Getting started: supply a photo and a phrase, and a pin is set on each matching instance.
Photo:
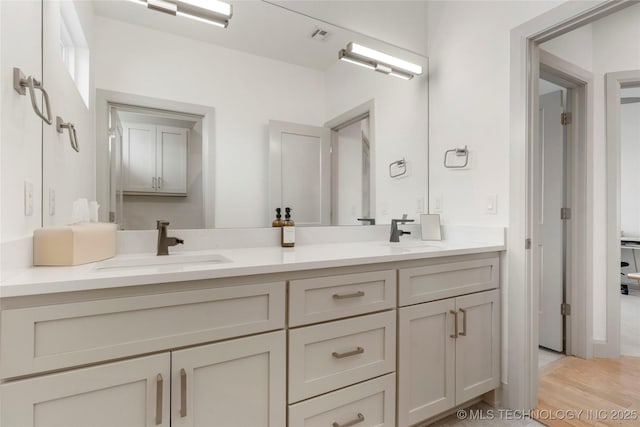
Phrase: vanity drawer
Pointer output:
(429, 283)
(51, 337)
(337, 354)
(333, 297)
(371, 403)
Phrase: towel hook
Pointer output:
(73, 137)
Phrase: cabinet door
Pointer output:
(133, 393)
(426, 354)
(238, 383)
(171, 160)
(139, 158)
(478, 345)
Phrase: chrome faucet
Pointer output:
(395, 231)
(163, 241)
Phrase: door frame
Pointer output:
(614, 82)
(579, 185)
(520, 373)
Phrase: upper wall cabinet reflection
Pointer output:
(283, 121)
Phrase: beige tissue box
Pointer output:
(74, 244)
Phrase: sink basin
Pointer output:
(152, 260)
(413, 244)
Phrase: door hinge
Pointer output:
(565, 214)
(565, 119)
(565, 309)
(527, 243)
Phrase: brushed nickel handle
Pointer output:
(73, 136)
(359, 419)
(159, 383)
(351, 295)
(358, 350)
(455, 324)
(159, 182)
(183, 393)
(22, 83)
(153, 182)
(464, 322)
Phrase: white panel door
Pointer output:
(171, 160)
(477, 345)
(301, 171)
(238, 383)
(21, 135)
(551, 227)
(426, 361)
(139, 158)
(133, 393)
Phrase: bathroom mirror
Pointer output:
(219, 112)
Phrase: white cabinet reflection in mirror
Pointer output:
(154, 160)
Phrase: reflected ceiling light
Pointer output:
(379, 61)
(212, 12)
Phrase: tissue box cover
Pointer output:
(74, 244)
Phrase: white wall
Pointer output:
(468, 47)
(630, 167)
(608, 45)
(245, 90)
(399, 128)
(349, 149)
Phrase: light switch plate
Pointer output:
(492, 204)
(52, 202)
(437, 204)
(28, 198)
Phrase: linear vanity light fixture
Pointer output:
(379, 61)
(212, 12)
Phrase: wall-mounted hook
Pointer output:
(73, 138)
(22, 83)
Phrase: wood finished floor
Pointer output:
(601, 388)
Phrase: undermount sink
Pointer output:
(413, 244)
(152, 260)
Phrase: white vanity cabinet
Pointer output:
(154, 159)
(234, 383)
(448, 349)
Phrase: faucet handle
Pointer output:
(161, 223)
(403, 220)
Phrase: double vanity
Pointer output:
(334, 334)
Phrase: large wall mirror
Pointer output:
(215, 128)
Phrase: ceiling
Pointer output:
(256, 27)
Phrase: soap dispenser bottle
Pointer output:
(288, 231)
(278, 221)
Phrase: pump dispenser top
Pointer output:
(278, 221)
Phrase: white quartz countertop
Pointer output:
(242, 262)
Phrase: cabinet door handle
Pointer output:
(359, 419)
(159, 384)
(183, 393)
(464, 322)
(351, 295)
(159, 182)
(153, 182)
(358, 350)
(455, 324)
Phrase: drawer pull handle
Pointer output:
(350, 423)
(358, 350)
(351, 295)
(159, 383)
(464, 322)
(183, 393)
(455, 324)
